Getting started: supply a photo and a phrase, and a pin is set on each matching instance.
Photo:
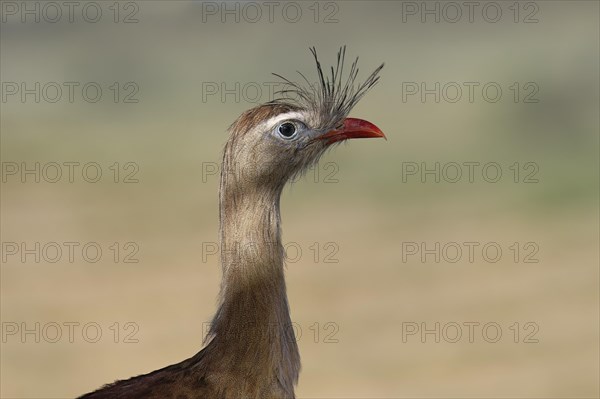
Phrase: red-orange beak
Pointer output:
(352, 129)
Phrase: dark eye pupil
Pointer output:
(287, 129)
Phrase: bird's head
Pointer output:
(273, 142)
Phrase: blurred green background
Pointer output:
(356, 206)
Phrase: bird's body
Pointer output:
(251, 350)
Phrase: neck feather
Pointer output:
(252, 330)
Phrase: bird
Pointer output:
(250, 350)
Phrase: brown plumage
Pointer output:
(251, 349)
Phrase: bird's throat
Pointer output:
(253, 320)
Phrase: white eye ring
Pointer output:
(287, 130)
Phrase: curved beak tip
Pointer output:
(353, 128)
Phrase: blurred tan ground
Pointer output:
(368, 213)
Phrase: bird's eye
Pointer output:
(287, 130)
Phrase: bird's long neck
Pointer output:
(252, 329)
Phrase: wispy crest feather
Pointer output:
(335, 95)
